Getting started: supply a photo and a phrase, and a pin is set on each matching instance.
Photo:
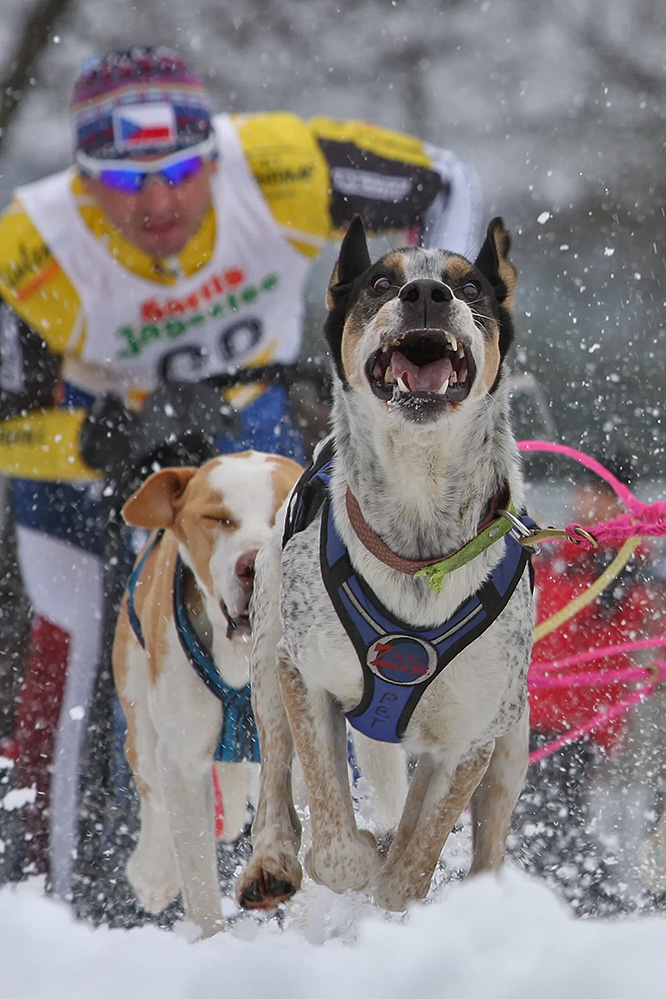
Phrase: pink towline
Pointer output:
(602, 717)
(642, 519)
(653, 675)
(601, 653)
(592, 679)
(646, 519)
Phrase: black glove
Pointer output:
(178, 426)
(183, 419)
(106, 436)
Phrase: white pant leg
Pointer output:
(65, 585)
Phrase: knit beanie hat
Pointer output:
(138, 101)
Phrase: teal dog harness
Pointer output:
(238, 739)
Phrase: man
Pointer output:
(176, 248)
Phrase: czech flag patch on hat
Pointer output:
(144, 127)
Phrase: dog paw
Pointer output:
(393, 893)
(262, 888)
(152, 888)
(344, 867)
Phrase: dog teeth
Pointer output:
(401, 384)
(443, 387)
(389, 377)
(454, 343)
(460, 352)
(453, 378)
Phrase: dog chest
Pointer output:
(379, 668)
(316, 641)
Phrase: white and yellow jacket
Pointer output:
(85, 312)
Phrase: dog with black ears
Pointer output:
(405, 601)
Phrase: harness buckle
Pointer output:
(521, 532)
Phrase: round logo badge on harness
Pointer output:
(402, 659)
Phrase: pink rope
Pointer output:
(646, 519)
(602, 717)
(643, 519)
(601, 653)
(622, 491)
(589, 679)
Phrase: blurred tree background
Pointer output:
(560, 108)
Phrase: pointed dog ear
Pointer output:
(353, 260)
(155, 502)
(494, 264)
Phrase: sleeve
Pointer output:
(29, 371)
(38, 438)
(397, 182)
(452, 222)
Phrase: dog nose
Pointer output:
(425, 290)
(245, 570)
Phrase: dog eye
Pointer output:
(470, 291)
(224, 521)
(381, 284)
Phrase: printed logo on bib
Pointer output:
(402, 659)
(191, 361)
(30, 269)
(164, 319)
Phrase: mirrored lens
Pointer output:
(177, 173)
(130, 181)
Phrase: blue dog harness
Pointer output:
(238, 740)
(398, 662)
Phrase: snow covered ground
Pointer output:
(492, 938)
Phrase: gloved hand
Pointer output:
(177, 426)
(107, 433)
(182, 419)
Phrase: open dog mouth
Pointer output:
(432, 365)
(237, 627)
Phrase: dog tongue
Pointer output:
(428, 378)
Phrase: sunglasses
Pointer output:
(129, 176)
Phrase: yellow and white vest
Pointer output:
(243, 307)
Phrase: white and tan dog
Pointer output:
(211, 523)
(422, 459)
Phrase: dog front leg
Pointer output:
(191, 805)
(495, 798)
(342, 857)
(273, 873)
(433, 805)
(151, 869)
